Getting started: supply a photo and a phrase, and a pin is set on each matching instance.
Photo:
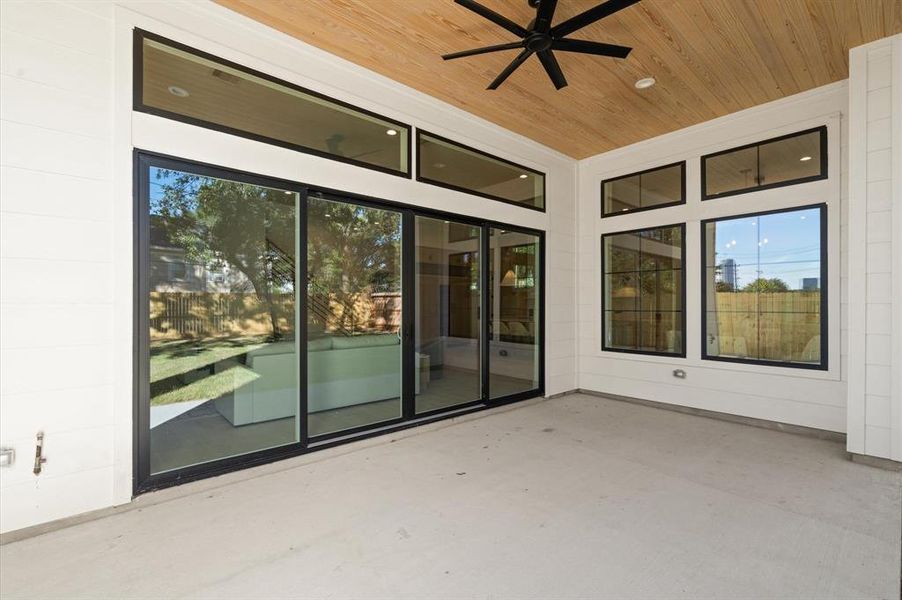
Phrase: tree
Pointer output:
(351, 251)
(723, 286)
(763, 284)
(219, 222)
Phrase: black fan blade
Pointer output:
(590, 16)
(599, 48)
(510, 69)
(494, 17)
(544, 15)
(483, 50)
(552, 68)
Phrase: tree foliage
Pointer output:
(763, 284)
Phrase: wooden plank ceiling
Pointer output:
(710, 58)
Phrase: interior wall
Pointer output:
(67, 132)
(796, 396)
(875, 249)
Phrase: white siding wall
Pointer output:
(796, 396)
(66, 241)
(56, 235)
(875, 391)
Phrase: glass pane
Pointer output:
(514, 300)
(661, 290)
(223, 351)
(779, 161)
(661, 248)
(732, 334)
(764, 289)
(644, 305)
(447, 314)
(621, 195)
(662, 186)
(621, 329)
(622, 291)
(660, 332)
(797, 157)
(737, 170)
(445, 162)
(646, 190)
(621, 253)
(180, 82)
(353, 315)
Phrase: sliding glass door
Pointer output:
(221, 354)
(273, 319)
(447, 361)
(515, 303)
(354, 316)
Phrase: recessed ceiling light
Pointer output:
(523, 175)
(391, 132)
(439, 165)
(178, 91)
(804, 158)
(645, 82)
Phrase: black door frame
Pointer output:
(144, 481)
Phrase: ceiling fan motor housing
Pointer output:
(540, 38)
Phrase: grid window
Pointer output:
(643, 291)
(764, 294)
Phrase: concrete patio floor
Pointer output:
(574, 497)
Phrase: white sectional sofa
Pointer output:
(342, 371)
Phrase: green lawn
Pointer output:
(209, 387)
(171, 359)
(179, 357)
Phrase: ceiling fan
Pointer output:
(540, 38)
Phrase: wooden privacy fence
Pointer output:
(184, 315)
(190, 315)
(769, 325)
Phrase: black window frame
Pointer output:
(822, 129)
(142, 479)
(456, 188)
(139, 35)
(681, 201)
(824, 365)
(683, 268)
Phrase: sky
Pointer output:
(783, 245)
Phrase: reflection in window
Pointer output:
(223, 357)
(183, 84)
(447, 314)
(643, 291)
(449, 164)
(763, 288)
(514, 302)
(650, 189)
(354, 300)
(795, 158)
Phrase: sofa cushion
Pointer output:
(317, 345)
(365, 341)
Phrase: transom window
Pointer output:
(788, 159)
(654, 188)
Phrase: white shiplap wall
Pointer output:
(66, 137)
(56, 268)
(795, 396)
(875, 251)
